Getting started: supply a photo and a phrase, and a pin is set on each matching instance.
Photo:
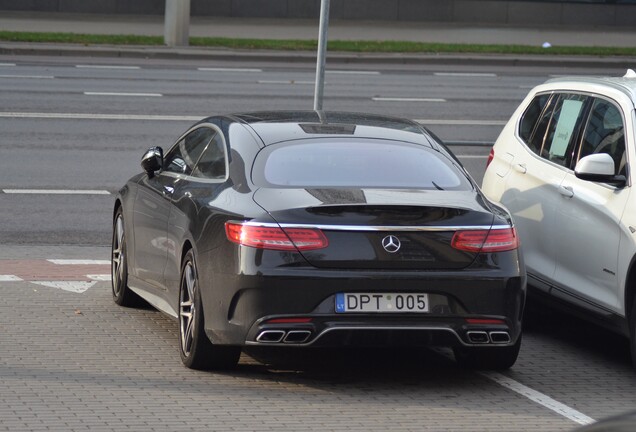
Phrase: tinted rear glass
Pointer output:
(356, 163)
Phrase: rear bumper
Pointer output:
(239, 306)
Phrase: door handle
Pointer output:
(521, 168)
(566, 191)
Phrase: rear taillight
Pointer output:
(266, 237)
(495, 240)
(491, 156)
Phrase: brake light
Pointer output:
(486, 321)
(288, 321)
(276, 238)
(495, 240)
(491, 156)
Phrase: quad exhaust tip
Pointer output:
(271, 336)
(282, 336)
(494, 337)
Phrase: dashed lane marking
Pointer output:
(229, 70)
(56, 191)
(83, 116)
(406, 99)
(466, 74)
(123, 94)
(351, 72)
(107, 67)
(78, 262)
(7, 64)
(28, 76)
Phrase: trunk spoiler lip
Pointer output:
(376, 228)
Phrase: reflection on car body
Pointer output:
(318, 229)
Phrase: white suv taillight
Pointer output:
(491, 156)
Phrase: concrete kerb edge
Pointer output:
(310, 57)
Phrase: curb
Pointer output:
(195, 53)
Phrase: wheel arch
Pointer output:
(187, 245)
(630, 289)
(116, 206)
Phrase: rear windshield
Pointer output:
(356, 163)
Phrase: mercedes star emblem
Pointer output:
(391, 244)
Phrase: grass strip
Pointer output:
(310, 45)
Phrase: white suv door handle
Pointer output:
(521, 168)
(566, 191)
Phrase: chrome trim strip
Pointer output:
(376, 228)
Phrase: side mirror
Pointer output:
(599, 168)
(152, 160)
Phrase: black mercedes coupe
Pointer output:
(318, 229)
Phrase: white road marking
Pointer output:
(352, 72)
(7, 64)
(465, 74)
(462, 122)
(100, 277)
(56, 191)
(540, 398)
(28, 76)
(123, 94)
(398, 99)
(107, 67)
(78, 262)
(81, 116)
(285, 82)
(9, 278)
(229, 70)
(72, 286)
(138, 117)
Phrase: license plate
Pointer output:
(381, 302)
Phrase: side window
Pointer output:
(535, 120)
(604, 133)
(184, 155)
(560, 137)
(212, 162)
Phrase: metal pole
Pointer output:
(322, 53)
(177, 23)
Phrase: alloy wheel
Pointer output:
(187, 309)
(118, 266)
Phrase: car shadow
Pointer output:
(404, 366)
(586, 337)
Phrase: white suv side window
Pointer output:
(604, 133)
(561, 135)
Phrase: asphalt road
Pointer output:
(58, 131)
(74, 360)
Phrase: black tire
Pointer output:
(122, 295)
(197, 352)
(488, 358)
(632, 332)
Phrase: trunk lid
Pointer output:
(380, 229)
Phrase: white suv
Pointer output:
(563, 166)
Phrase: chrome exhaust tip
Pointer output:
(478, 337)
(297, 336)
(270, 336)
(499, 337)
